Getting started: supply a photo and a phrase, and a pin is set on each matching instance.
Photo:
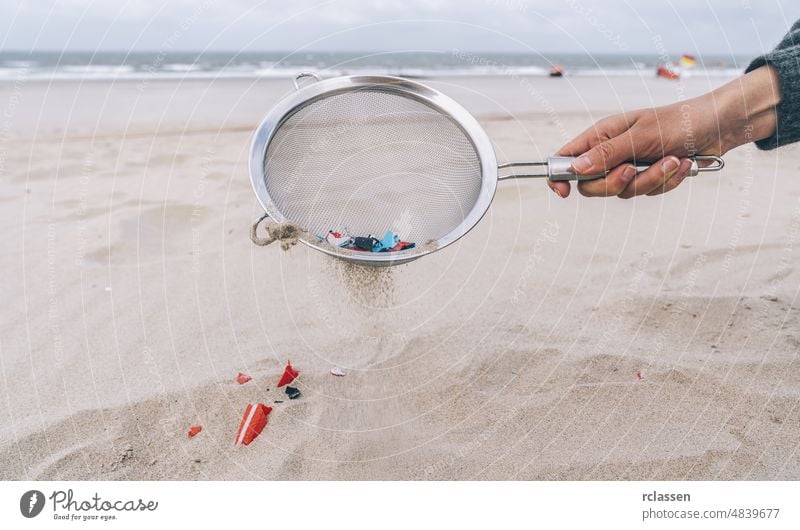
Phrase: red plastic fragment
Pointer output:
(194, 430)
(288, 376)
(253, 422)
(402, 245)
(639, 375)
(242, 378)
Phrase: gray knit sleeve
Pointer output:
(785, 58)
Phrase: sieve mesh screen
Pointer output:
(367, 160)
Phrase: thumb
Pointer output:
(605, 156)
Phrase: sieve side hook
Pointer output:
(301, 75)
(260, 241)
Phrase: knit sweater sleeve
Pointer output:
(785, 59)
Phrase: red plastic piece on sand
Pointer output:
(253, 422)
(194, 430)
(288, 376)
(639, 375)
(242, 378)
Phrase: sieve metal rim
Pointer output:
(399, 86)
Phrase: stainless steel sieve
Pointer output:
(370, 153)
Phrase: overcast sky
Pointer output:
(593, 26)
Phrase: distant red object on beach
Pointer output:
(666, 73)
(194, 430)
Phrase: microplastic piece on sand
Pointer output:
(289, 375)
(242, 378)
(338, 372)
(639, 375)
(253, 422)
(292, 392)
(194, 430)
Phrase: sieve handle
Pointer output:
(559, 168)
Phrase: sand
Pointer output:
(133, 296)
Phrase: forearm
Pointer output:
(736, 113)
(746, 107)
(784, 61)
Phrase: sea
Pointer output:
(212, 65)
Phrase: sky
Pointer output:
(739, 27)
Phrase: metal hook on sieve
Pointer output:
(260, 241)
(301, 75)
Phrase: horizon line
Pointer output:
(378, 52)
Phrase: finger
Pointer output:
(612, 184)
(601, 131)
(605, 156)
(559, 188)
(582, 143)
(651, 178)
(683, 171)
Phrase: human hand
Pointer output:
(712, 124)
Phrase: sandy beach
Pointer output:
(133, 296)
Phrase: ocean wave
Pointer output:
(20, 64)
(182, 67)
